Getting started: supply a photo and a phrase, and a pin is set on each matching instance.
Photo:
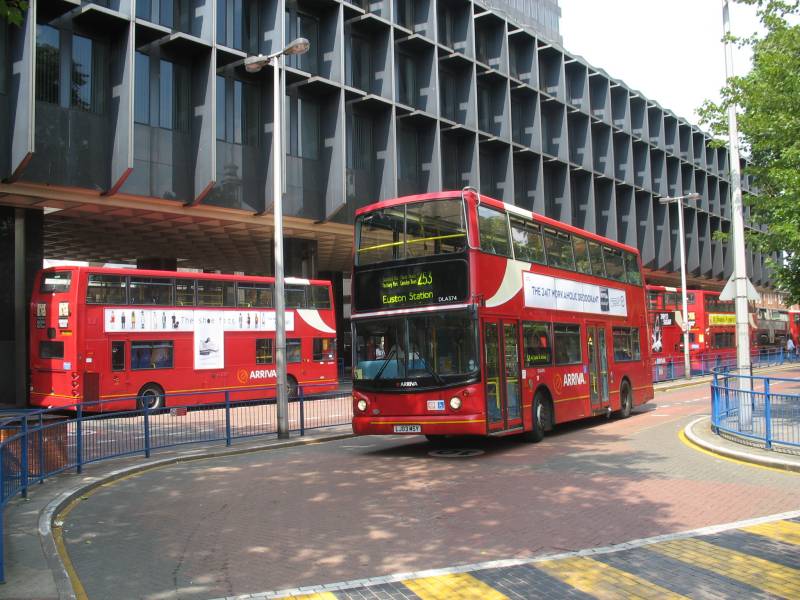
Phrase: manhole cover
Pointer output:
(455, 453)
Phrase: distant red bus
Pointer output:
(107, 334)
(471, 316)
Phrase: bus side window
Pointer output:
(293, 353)
(536, 343)
(567, 344)
(117, 356)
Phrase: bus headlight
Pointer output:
(361, 405)
(455, 402)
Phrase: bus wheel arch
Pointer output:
(625, 398)
(152, 394)
(291, 386)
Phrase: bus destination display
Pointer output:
(415, 285)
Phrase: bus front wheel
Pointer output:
(536, 434)
(152, 396)
(625, 401)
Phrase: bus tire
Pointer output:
(151, 394)
(538, 418)
(625, 401)
(436, 440)
(291, 386)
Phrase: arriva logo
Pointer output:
(567, 380)
(243, 375)
(408, 384)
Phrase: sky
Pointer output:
(669, 50)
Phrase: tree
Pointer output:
(768, 118)
(12, 10)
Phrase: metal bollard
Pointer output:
(227, 417)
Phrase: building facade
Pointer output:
(131, 132)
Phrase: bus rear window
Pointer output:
(51, 349)
(57, 282)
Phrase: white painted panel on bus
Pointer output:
(149, 320)
(553, 293)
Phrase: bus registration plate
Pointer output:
(408, 428)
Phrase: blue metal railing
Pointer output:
(672, 367)
(763, 409)
(38, 444)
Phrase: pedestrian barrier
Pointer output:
(757, 409)
(673, 367)
(38, 444)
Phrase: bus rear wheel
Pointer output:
(152, 396)
(540, 417)
(625, 401)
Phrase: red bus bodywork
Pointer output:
(496, 302)
(82, 351)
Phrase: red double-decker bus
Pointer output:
(471, 316)
(665, 315)
(107, 334)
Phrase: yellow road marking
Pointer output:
(687, 442)
(759, 573)
(783, 531)
(455, 585)
(603, 581)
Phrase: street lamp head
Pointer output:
(693, 196)
(253, 64)
(298, 46)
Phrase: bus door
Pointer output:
(598, 365)
(503, 390)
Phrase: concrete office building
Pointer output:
(134, 135)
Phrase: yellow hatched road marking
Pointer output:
(783, 531)
(776, 579)
(318, 596)
(455, 585)
(603, 581)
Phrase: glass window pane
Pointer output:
(48, 62)
(615, 267)
(216, 293)
(251, 115)
(293, 350)
(264, 354)
(81, 93)
(536, 344)
(150, 291)
(320, 297)
(184, 292)
(527, 240)
(309, 129)
(596, 257)
(254, 295)
(117, 356)
(151, 355)
(435, 228)
(567, 343)
(221, 110)
(581, 249)
(237, 112)
(51, 349)
(222, 21)
(295, 296)
(558, 247)
(106, 289)
(56, 282)
(165, 95)
(626, 344)
(324, 349)
(309, 29)
(141, 85)
(380, 236)
(493, 231)
(632, 269)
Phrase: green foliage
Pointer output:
(768, 118)
(12, 10)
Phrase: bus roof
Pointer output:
(185, 275)
(509, 208)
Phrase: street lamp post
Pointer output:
(254, 64)
(687, 367)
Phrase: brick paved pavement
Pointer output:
(371, 507)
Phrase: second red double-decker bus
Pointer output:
(172, 337)
(471, 316)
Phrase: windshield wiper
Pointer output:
(385, 364)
